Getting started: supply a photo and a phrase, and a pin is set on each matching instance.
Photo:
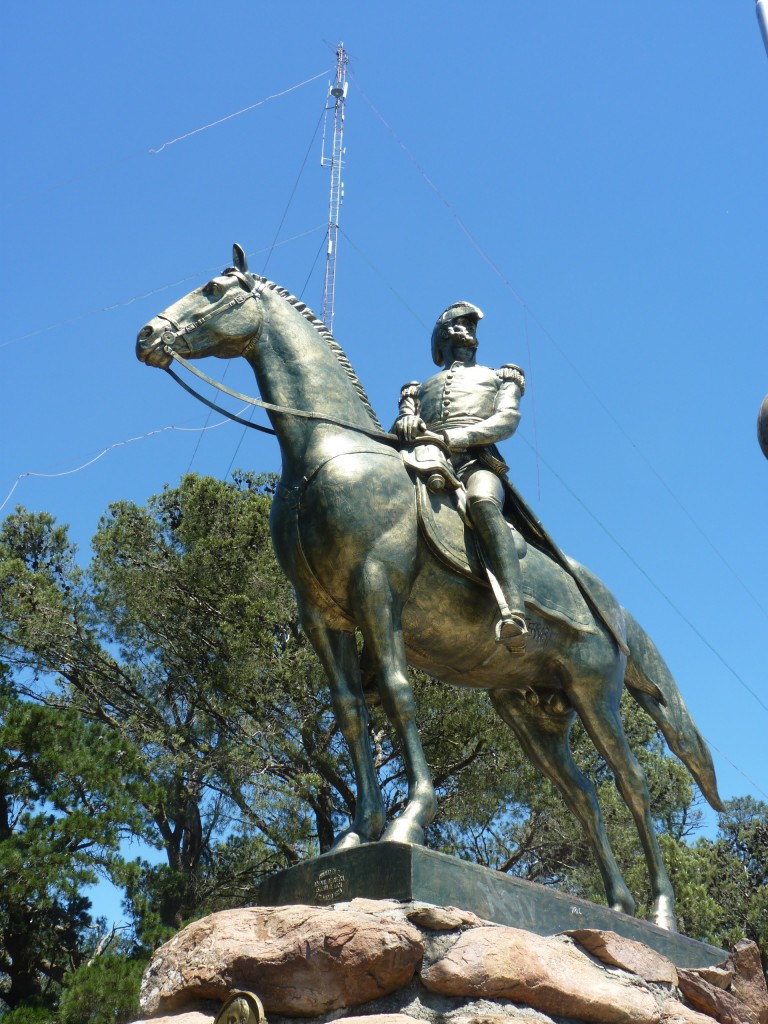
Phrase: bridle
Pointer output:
(175, 333)
(251, 292)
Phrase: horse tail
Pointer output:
(648, 677)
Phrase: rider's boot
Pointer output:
(498, 548)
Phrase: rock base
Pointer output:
(387, 962)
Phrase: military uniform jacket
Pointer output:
(483, 401)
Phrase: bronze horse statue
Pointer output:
(347, 534)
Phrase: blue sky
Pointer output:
(592, 176)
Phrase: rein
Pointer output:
(282, 410)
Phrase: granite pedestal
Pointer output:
(400, 871)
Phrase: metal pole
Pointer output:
(762, 417)
(338, 93)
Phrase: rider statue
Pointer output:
(472, 407)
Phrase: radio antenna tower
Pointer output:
(338, 94)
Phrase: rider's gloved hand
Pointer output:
(409, 427)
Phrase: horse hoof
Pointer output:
(347, 841)
(623, 902)
(624, 908)
(663, 914)
(404, 832)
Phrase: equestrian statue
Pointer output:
(401, 536)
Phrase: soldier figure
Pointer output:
(472, 407)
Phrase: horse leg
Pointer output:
(543, 732)
(378, 616)
(337, 651)
(599, 713)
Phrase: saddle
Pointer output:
(552, 584)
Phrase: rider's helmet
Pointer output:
(453, 312)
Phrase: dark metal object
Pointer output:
(217, 408)
(762, 427)
(346, 533)
(761, 10)
(241, 1008)
(403, 872)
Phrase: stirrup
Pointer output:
(512, 631)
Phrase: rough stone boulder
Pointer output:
(549, 974)
(385, 962)
(713, 1001)
(193, 1017)
(300, 961)
(616, 951)
(674, 1012)
(748, 983)
(733, 993)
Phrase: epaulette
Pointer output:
(410, 390)
(511, 372)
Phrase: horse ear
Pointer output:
(239, 259)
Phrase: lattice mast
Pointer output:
(337, 96)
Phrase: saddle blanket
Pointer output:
(547, 587)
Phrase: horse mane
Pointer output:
(327, 337)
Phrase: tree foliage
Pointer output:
(182, 638)
(65, 802)
(104, 991)
(722, 883)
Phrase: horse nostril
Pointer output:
(146, 332)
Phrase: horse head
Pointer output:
(214, 320)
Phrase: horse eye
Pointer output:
(212, 289)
